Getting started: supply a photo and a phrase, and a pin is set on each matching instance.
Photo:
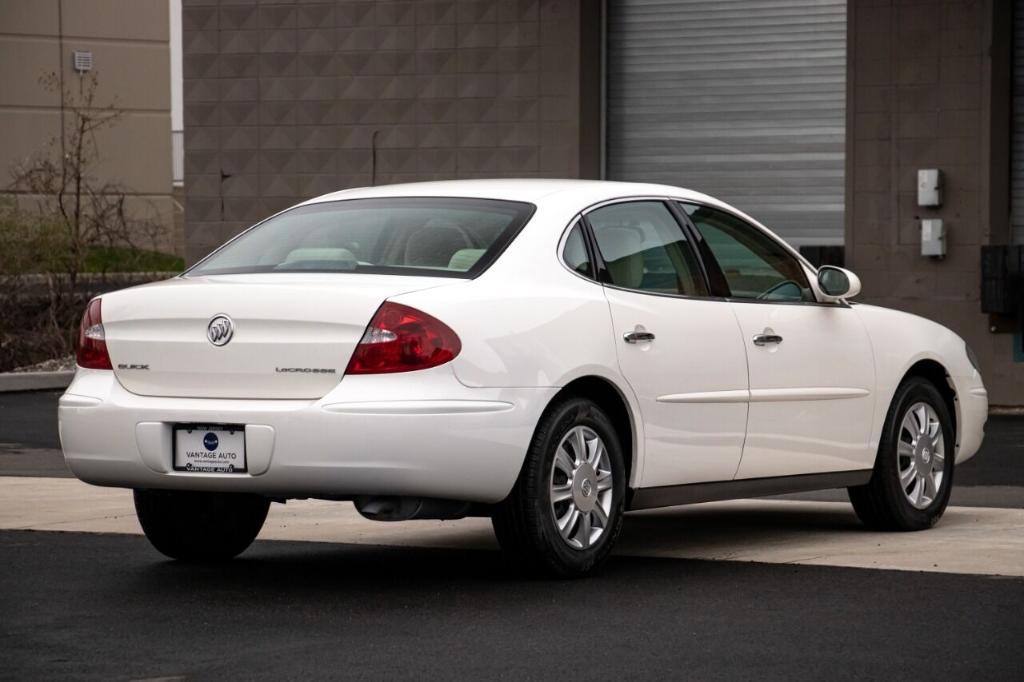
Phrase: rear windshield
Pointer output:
(416, 236)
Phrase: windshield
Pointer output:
(409, 236)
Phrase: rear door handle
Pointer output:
(637, 337)
(767, 337)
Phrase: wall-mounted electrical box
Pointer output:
(82, 60)
(929, 187)
(933, 238)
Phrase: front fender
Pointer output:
(899, 341)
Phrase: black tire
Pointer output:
(199, 526)
(525, 521)
(881, 504)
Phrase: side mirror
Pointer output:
(837, 283)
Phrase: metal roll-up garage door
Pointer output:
(741, 99)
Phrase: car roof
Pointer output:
(529, 189)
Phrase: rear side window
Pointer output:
(755, 265)
(575, 252)
(410, 236)
(645, 249)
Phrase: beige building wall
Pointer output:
(129, 43)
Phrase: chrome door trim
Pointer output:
(767, 395)
(779, 395)
(741, 395)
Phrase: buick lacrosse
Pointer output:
(547, 353)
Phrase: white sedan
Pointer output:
(550, 353)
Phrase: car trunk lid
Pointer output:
(290, 336)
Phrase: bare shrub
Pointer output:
(58, 216)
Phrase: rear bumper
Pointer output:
(419, 434)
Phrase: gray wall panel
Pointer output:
(286, 101)
(742, 99)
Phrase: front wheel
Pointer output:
(200, 526)
(913, 476)
(565, 511)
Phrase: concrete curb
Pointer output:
(34, 381)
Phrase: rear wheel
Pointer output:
(913, 476)
(200, 526)
(565, 511)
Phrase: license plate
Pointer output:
(208, 448)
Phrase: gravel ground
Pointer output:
(54, 365)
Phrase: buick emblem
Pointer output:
(220, 330)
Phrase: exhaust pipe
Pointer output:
(388, 508)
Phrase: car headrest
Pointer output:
(621, 248)
(433, 245)
(464, 259)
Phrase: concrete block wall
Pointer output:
(926, 90)
(289, 100)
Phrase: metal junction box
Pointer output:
(929, 187)
(933, 238)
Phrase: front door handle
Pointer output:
(638, 337)
(766, 337)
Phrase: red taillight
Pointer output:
(92, 344)
(402, 339)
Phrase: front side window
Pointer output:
(410, 236)
(755, 265)
(644, 248)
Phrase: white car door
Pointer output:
(680, 351)
(811, 366)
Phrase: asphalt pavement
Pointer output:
(29, 419)
(100, 605)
